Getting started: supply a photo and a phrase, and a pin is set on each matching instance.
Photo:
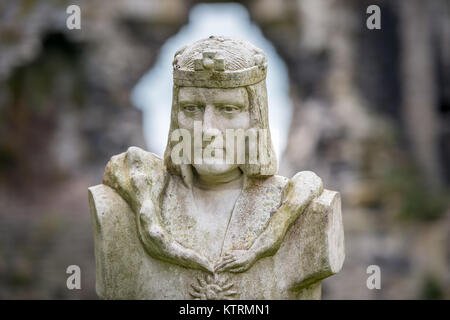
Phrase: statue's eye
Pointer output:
(191, 108)
(230, 109)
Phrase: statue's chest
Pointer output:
(199, 219)
(214, 223)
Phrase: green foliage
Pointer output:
(398, 185)
(415, 200)
(431, 289)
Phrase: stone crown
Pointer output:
(219, 62)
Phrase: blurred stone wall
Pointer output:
(371, 118)
(64, 111)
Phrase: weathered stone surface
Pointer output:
(212, 220)
(313, 249)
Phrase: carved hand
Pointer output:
(192, 259)
(236, 261)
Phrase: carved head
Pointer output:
(220, 83)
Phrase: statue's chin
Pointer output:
(214, 168)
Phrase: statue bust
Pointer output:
(212, 220)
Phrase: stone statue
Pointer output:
(212, 220)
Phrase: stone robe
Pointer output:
(313, 247)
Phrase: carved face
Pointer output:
(218, 110)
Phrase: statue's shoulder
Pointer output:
(276, 181)
(135, 159)
(136, 155)
(305, 179)
(273, 184)
(305, 184)
(302, 184)
(135, 168)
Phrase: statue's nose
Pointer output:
(209, 120)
